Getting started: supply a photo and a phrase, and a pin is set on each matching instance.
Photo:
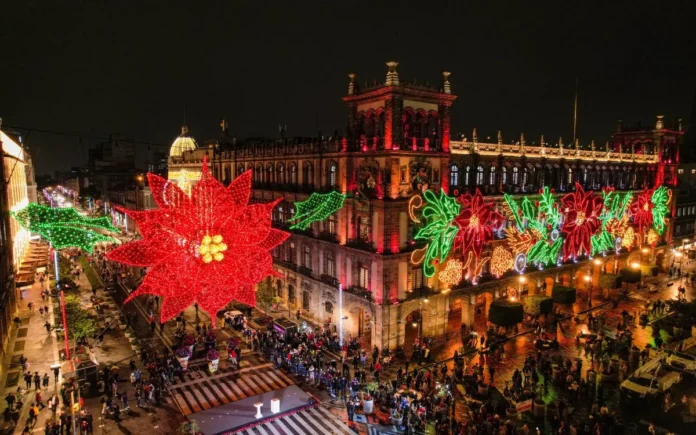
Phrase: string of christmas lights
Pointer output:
(211, 247)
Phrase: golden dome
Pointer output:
(182, 143)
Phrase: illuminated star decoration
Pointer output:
(439, 230)
(210, 247)
(660, 198)
(581, 221)
(452, 275)
(318, 207)
(64, 227)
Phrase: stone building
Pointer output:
(397, 146)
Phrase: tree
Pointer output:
(265, 294)
(80, 323)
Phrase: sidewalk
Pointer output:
(41, 350)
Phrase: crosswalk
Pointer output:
(201, 390)
(313, 421)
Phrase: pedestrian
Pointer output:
(45, 380)
(48, 327)
(30, 305)
(298, 314)
(27, 379)
(37, 380)
(23, 362)
(132, 379)
(39, 400)
(41, 311)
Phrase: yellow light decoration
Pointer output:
(418, 255)
(212, 248)
(501, 261)
(652, 237)
(628, 238)
(414, 203)
(519, 242)
(452, 275)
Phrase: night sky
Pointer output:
(97, 67)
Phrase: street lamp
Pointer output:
(589, 287)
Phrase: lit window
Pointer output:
(515, 175)
(693, 171)
(680, 171)
(330, 266)
(491, 180)
(570, 176)
(307, 257)
(333, 223)
(479, 175)
(332, 175)
(504, 179)
(364, 276)
(454, 175)
(417, 278)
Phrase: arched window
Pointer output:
(479, 175)
(307, 174)
(515, 175)
(328, 307)
(280, 170)
(240, 170)
(454, 175)
(269, 174)
(570, 176)
(525, 176)
(491, 180)
(293, 174)
(466, 175)
(258, 176)
(504, 176)
(333, 175)
(228, 174)
(279, 288)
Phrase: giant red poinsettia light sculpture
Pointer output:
(581, 222)
(476, 222)
(210, 247)
(642, 209)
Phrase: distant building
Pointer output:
(14, 160)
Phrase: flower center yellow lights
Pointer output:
(645, 206)
(580, 219)
(212, 248)
(473, 221)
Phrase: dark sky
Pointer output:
(99, 67)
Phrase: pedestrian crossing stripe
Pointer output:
(313, 421)
(200, 393)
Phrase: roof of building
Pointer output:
(182, 143)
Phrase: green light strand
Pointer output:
(660, 198)
(64, 227)
(318, 207)
(614, 208)
(439, 229)
(515, 211)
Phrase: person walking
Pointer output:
(37, 381)
(45, 380)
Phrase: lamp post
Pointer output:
(419, 325)
(589, 288)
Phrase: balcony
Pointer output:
(328, 237)
(360, 292)
(361, 244)
(286, 264)
(305, 271)
(330, 280)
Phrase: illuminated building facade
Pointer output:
(14, 161)
(398, 280)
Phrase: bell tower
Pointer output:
(397, 114)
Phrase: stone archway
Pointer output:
(412, 325)
(454, 318)
(564, 279)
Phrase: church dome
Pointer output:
(182, 143)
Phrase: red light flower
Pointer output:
(210, 247)
(581, 220)
(476, 222)
(641, 209)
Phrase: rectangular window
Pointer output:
(291, 253)
(679, 212)
(307, 257)
(333, 223)
(330, 266)
(364, 277)
(680, 171)
(417, 278)
(693, 171)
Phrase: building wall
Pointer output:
(17, 196)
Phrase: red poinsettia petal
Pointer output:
(275, 238)
(257, 262)
(165, 193)
(146, 252)
(246, 295)
(240, 189)
(251, 225)
(143, 289)
(173, 305)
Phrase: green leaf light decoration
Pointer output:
(614, 209)
(439, 230)
(318, 207)
(660, 199)
(64, 227)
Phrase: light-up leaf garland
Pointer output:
(65, 227)
(533, 233)
(318, 207)
(211, 247)
(614, 220)
(581, 221)
(660, 199)
(439, 230)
